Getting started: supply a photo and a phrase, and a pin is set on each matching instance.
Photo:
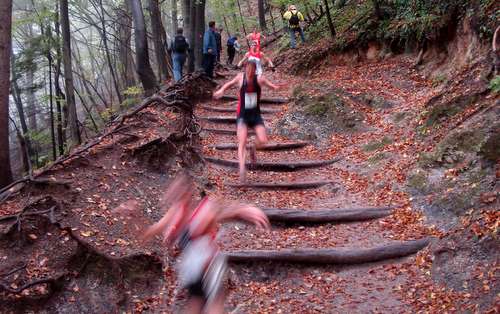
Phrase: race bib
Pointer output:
(250, 100)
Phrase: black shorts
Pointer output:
(251, 120)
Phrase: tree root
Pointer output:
(274, 166)
(330, 256)
(326, 215)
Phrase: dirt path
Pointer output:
(380, 287)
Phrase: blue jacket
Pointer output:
(209, 42)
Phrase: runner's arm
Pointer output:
(268, 60)
(218, 94)
(246, 212)
(245, 58)
(263, 81)
(166, 225)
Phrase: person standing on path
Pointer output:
(233, 46)
(218, 40)
(179, 48)
(202, 267)
(256, 55)
(294, 18)
(209, 50)
(248, 111)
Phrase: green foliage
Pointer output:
(373, 146)
(495, 85)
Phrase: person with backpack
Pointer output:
(209, 50)
(232, 47)
(294, 18)
(179, 48)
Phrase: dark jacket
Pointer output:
(209, 42)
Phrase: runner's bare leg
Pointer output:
(242, 133)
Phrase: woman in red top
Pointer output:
(201, 269)
(255, 36)
(256, 55)
(248, 111)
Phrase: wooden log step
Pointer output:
(330, 256)
(285, 215)
(275, 100)
(221, 119)
(281, 185)
(269, 146)
(225, 131)
(233, 110)
(274, 166)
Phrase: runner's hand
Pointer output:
(254, 215)
(218, 94)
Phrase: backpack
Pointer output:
(180, 44)
(230, 41)
(294, 20)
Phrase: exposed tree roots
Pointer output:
(331, 256)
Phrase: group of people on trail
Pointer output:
(179, 46)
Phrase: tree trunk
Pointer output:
(124, 51)
(68, 75)
(192, 36)
(331, 256)
(5, 51)
(376, 9)
(200, 29)
(272, 18)
(50, 60)
(16, 95)
(326, 215)
(104, 36)
(143, 66)
(175, 21)
(262, 15)
(61, 134)
(329, 18)
(242, 20)
(157, 31)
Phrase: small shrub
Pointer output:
(373, 146)
(495, 85)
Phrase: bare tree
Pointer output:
(143, 66)
(262, 15)
(68, 75)
(124, 51)
(175, 21)
(157, 32)
(5, 50)
(329, 18)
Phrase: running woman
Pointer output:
(248, 111)
(255, 36)
(202, 267)
(256, 56)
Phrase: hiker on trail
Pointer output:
(209, 50)
(256, 56)
(202, 267)
(255, 36)
(218, 40)
(248, 111)
(233, 46)
(179, 48)
(294, 18)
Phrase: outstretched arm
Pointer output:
(263, 81)
(245, 58)
(218, 94)
(240, 211)
(268, 60)
(167, 225)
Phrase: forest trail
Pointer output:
(353, 183)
